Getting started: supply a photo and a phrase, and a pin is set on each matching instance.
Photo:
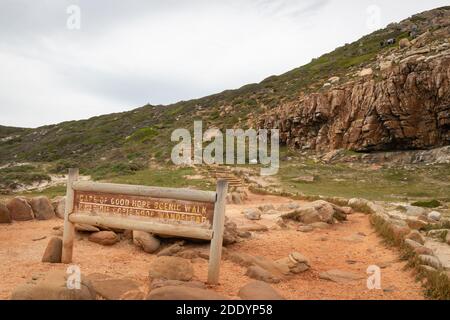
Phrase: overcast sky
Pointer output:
(129, 53)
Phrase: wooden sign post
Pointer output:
(166, 211)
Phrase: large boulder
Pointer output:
(53, 286)
(19, 209)
(258, 290)
(42, 208)
(59, 206)
(5, 216)
(183, 293)
(106, 238)
(114, 289)
(146, 241)
(53, 251)
(171, 268)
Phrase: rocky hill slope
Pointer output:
(401, 102)
(368, 95)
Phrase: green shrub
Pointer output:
(427, 204)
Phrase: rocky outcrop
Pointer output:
(404, 106)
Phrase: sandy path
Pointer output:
(327, 249)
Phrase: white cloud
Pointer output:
(128, 54)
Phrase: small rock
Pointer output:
(53, 251)
(236, 198)
(357, 203)
(416, 224)
(171, 250)
(308, 179)
(258, 290)
(19, 209)
(414, 211)
(434, 216)
(356, 238)
(42, 208)
(106, 238)
(430, 261)
(86, 228)
(426, 268)
(438, 233)
(5, 216)
(416, 236)
(146, 241)
(340, 276)
(399, 232)
(366, 72)
(39, 238)
(305, 229)
(334, 80)
(252, 214)
(133, 295)
(385, 65)
(245, 234)
(258, 273)
(253, 227)
(267, 207)
(319, 225)
(171, 268)
(418, 248)
(347, 210)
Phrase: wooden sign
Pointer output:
(165, 211)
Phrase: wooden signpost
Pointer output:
(165, 211)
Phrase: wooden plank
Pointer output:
(147, 226)
(215, 255)
(69, 227)
(168, 193)
(161, 210)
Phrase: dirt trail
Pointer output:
(327, 249)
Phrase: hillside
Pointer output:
(126, 141)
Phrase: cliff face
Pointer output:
(401, 102)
